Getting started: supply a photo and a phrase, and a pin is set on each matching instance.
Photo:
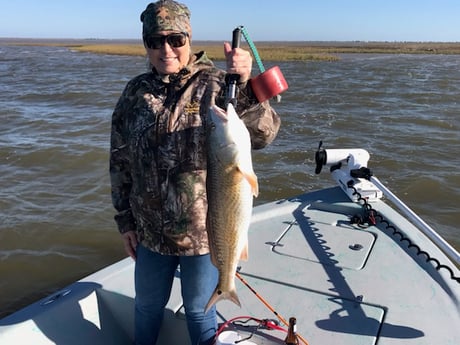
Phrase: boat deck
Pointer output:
(345, 285)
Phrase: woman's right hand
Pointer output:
(130, 243)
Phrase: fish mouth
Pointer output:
(222, 114)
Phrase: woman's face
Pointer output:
(168, 51)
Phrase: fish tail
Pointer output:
(219, 295)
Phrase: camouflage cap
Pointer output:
(165, 15)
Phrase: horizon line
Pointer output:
(219, 40)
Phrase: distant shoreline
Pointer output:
(269, 51)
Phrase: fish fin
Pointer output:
(245, 252)
(220, 295)
(251, 177)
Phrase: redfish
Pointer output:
(231, 185)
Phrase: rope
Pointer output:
(253, 48)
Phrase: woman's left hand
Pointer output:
(239, 61)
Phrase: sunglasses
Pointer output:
(175, 40)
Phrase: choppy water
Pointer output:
(55, 106)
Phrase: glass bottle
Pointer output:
(291, 338)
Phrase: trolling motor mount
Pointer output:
(349, 168)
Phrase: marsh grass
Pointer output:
(112, 49)
(270, 51)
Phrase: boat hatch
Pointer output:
(326, 244)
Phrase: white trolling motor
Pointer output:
(349, 168)
(346, 168)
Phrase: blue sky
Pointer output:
(291, 20)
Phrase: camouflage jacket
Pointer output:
(158, 153)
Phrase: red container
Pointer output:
(269, 84)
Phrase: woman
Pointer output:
(158, 167)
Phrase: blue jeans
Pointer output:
(154, 274)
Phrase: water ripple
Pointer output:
(56, 105)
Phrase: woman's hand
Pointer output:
(130, 243)
(239, 61)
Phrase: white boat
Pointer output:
(345, 263)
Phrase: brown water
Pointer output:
(55, 106)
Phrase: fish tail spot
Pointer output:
(219, 295)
